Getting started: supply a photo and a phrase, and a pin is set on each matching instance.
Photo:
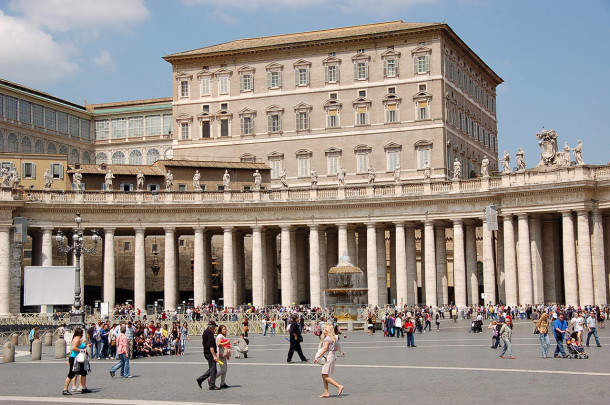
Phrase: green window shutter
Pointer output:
(385, 68)
(268, 79)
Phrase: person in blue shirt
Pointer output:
(560, 327)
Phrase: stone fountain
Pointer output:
(347, 289)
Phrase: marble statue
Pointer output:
(15, 178)
(577, 151)
(397, 174)
(547, 139)
(427, 172)
(505, 162)
(108, 180)
(226, 180)
(283, 177)
(565, 161)
(257, 180)
(314, 177)
(169, 180)
(196, 178)
(520, 159)
(372, 174)
(341, 176)
(6, 177)
(140, 181)
(485, 167)
(48, 178)
(457, 169)
(77, 180)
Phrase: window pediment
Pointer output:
(333, 104)
(423, 143)
(362, 101)
(247, 111)
(360, 57)
(273, 67)
(333, 151)
(247, 158)
(301, 63)
(246, 69)
(421, 50)
(303, 106)
(390, 54)
(223, 72)
(331, 60)
(421, 95)
(391, 97)
(301, 153)
(204, 73)
(362, 148)
(275, 156)
(205, 116)
(275, 109)
(392, 147)
(183, 76)
(184, 118)
(223, 114)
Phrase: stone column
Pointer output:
(343, 248)
(500, 275)
(239, 284)
(109, 269)
(585, 263)
(271, 269)
(5, 270)
(257, 266)
(392, 242)
(323, 264)
(569, 259)
(288, 277)
(293, 266)
(382, 271)
(537, 268)
(401, 265)
(548, 261)
(361, 262)
(198, 260)
(472, 278)
(371, 264)
(302, 266)
(510, 261)
(526, 295)
(264, 268)
(207, 266)
(411, 263)
(170, 270)
(430, 264)
(228, 268)
(139, 271)
(459, 264)
(351, 244)
(442, 283)
(597, 251)
(489, 274)
(315, 295)
(47, 258)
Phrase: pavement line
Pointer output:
(81, 399)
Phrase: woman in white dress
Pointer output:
(223, 346)
(329, 346)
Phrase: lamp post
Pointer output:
(77, 315)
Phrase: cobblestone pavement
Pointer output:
(450, 366)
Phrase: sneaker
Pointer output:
(513, 357)
(214, 388)
(128, 376)
(565, 356)
(223, 386)
(111, 373)
(555, 356)
(501, 357)
(85, 390)
(305, 361)
(74, 389)
(66, 392)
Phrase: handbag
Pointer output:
(80, 358)
(300, 338)
(321, 358)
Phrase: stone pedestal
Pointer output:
(8, 353)
(60, 348)
(36, 350)
(15, 339)
(47, 339)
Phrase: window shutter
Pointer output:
(33, 170)
(241, 122)
(366, 70)
(296, 77)
(22, 169)
(279, 122)
(355, 71)
(385, 68)
(307, 76)
(268, 79)
(279, 75)
(297, 120)
(269, 123)
(337, 73)
(427, 58)
(396, 66)
(326, 74)
(61, 171)
(241, 83)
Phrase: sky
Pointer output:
(553, 55)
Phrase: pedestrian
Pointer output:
(438, 322)
(543, 330)
(560, 326)
(246, 326)
(209, 352)
(338, 333)
(592, 327)
(398, 327)
(273, 325)
(329, 347)
(241, 346)
(506, 334)
(295, 340)
(122, 348)
(409, 328)
(33, 336)
(224, 354)
(578, 323)
(184, 337)
(77, 346)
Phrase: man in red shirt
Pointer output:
(409, 328)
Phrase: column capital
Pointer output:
(139, 230)
(583, 212)
(429, 222)
(109, 230)
(342, 226)
(199, 228)
(458, 221)
(566, 213)
(523, 215)
(399, 223)
(257, 228)
(372, 225)
(314, 227)
(169, 229)
(226, 229)
(507, 218)
(285, 227)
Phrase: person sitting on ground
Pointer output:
(241, 346)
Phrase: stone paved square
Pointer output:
(450, 366)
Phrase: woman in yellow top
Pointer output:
(543, 328)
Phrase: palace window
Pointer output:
(119, 128)
(392, 152)
(184, 130)
(118, 158)
(362, 115)
(28, 170)
(136, 126)
(184, 88)
(274, 75)
(361, 71)
(332, 118)
(205, 86)
(274, 119)
(246, 79)
(333, 156)
(363, 153)
(224, 127)
(223, 85)
(153, 125)
(303, 163)
(57, 170)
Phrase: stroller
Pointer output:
(575, 350)
(476, 327)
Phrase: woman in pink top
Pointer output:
(122, 350)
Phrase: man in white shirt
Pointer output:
(398, 327)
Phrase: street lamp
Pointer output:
(77, 315)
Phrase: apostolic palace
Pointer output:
(274, 156)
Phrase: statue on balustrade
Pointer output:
(108, 180)
(283, 177)
(427, 172)
(372, 174)
(457, 169)
(577, 151)
(547, 139)
(520, 159)
(397, 174)
(226, 180)
(15, 178)
(314, 178)
(48, 179)
(341, 176)
(257, 180)
(6, 177)
(485, 167)
(565, 156)
(140, 181)
(169, 180)
(505, 162)
(196, 178)
(77, 181)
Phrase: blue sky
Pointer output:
(552, 54)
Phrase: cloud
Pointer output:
(32, 56)
(353, 6)
(105, 61)
(66, 15)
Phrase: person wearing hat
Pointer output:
(209, 352)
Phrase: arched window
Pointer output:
(63, 150)
(26, 144)
(13, 143)
(135, 157)
(39, 146)
(86, 158)
(152, 156)
(74, 156)
(1, 142)
(100, 158)
(51, 148)
(118, 158)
